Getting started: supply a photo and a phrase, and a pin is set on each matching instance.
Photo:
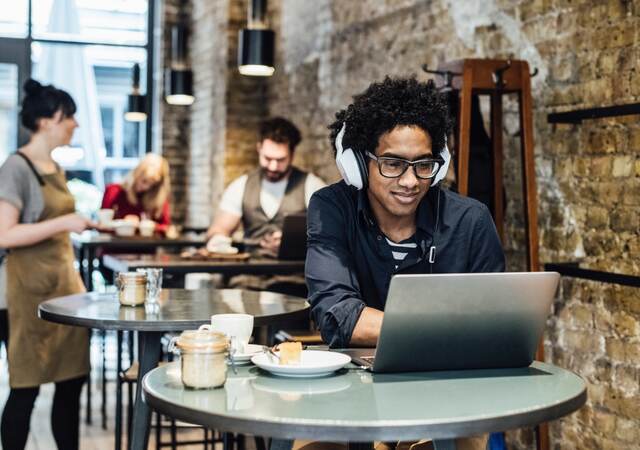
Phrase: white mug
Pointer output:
(237, 327)
(105, 216)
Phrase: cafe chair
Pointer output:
(306, 337)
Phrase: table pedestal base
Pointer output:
(148, 354)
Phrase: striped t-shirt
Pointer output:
(402, 250)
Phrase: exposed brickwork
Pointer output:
(209, 45)
(175, 120)
(587, 53)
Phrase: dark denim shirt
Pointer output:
(349, 263)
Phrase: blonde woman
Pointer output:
(145, 190)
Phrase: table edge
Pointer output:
(135, 325)
(114, 263)
(367, 433)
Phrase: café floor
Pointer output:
(92, 437)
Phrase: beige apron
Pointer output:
(40, 351)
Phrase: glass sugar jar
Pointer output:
(203, 358)
(132, 288)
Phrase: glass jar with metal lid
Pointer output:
(132, 288)
(203, 358)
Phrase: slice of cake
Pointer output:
(290, 353)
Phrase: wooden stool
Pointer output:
(495, 78)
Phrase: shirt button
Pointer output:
(379, 237)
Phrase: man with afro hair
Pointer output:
(388, 215)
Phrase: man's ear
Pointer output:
(258, 146)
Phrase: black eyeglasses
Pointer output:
(390, 167)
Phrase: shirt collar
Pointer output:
(425, 214)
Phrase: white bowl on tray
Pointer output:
(124, 228)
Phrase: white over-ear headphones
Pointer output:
(353, 167)
(350, 163)
(442, 172)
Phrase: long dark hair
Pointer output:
(44, 102)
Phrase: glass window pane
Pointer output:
(106, 113)
(13, 20)
(131, 146)
(99, 80)
(113, 21)
(115, 175)
(8, 110)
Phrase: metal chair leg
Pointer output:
(103, 407)
(88, 417)
(260, 444)
(158, 430)
(174, 435)
(118, 424)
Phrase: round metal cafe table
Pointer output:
(359, 407)
(179, 310)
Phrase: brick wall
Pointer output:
(175, 120)
(587, 54)
(212, 142)
(208, 113)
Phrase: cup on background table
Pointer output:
(154, 287)
(147, 227)
(237, 327)
(104, 216)
(173, 231)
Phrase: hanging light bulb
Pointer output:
(136, 110)
(179, 78)
(256, 43)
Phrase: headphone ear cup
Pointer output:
(362, 167)
(347, 162)
(442, 171)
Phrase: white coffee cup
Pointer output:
(105, 216)
(237, 327)
(147, 227)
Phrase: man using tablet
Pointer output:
(389, 215)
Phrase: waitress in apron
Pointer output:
(37, 212)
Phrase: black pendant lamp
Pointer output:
(256, 43)
(136, 109)
(178, 78)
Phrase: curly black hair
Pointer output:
(387, 104)
(280, 130)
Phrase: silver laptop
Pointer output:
(461, 321)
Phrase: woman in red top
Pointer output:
(144, 191)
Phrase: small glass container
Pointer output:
(132, 288)
(203, 358)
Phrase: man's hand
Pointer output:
(271, 241)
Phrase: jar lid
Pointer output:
(132, 277)
(203, 340)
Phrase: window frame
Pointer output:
(24, 65)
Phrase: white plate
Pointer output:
(250, 350)
(313, 363)
(301, 386)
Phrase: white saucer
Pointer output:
(301, 386)
(249, 351)
(313, 363)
